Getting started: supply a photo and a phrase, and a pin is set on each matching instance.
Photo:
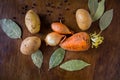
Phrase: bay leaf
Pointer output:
(74, 65)
(37, 58)
(93, 5)
(56, 58)
(106, 19)
(11, 29)
(100, 10)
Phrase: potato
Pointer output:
(30, 45)
(32, 22)
(83, 19)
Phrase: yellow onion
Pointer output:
(60, 28)
(53, 38)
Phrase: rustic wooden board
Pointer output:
(105, 63)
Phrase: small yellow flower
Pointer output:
(96, 39)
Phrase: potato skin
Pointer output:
(83, 19)
(30, 45)
(32, 22)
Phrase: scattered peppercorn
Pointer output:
(65, 1)
(34, 4)
(60, 4)
(67, 9)
(58, 7)
(26, 6)
(14, 17)
(60, 14)
(32, 7)
(68, 3)
(52, 6)
(48, 4)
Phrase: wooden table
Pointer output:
(105, 63)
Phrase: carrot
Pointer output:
(60, 28)
(78, 42)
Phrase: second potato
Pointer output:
(32, 22)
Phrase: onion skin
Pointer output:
(60, 28)
(83, 19)
(77, 42)
(53, 38)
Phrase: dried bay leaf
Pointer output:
(93, 5)
(56, 58)
(106, 19)
(11, 29)
(100, 10)
(74, 65)
(37, 58)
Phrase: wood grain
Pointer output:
(105, 63)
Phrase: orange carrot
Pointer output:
(60, 28)
(78, 42)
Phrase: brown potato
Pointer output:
(83, 19)
(30, 45)
(32, 22)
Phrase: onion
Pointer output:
(60, 28)
(53, 38)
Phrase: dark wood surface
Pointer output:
(105, 60)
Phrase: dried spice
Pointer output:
(93, 5)
(11, 29)
(74, 65)
(37, 58)
(56, 58)
(106, 19)
(100, 10)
